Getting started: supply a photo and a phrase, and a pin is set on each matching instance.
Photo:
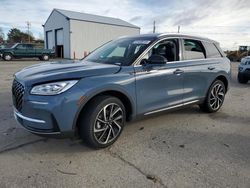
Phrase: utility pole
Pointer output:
(154, 27)
(179, 28)
(28, 27)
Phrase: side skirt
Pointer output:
(172, 107)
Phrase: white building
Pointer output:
(74, 34)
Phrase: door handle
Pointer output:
(211, 68)
(178, 71)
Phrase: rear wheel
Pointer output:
(242, 79)
(102, 121)
(7, 56)
(215, 97)
(45, 57)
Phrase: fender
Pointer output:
(108, 88)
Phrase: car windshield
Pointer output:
(122, 51)
(14, 45)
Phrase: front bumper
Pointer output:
(245, 74)
(30, 124)
(49, 116)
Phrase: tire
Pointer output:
(7, 57)
(242, 79)
(45, 57)
(215, 97)
(98, 131)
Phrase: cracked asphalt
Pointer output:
(184, 148)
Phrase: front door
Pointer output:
(20, 50)
(160, 86)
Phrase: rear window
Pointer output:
(211, 50)
(193, 49)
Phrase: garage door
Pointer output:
(59, 37)
(49, 37)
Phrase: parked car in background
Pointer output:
(2, 46)
(124, 79)
(21, 50)
(244, 70)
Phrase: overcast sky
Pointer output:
(226, 21)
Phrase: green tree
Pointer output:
(16, 35)
(27, 37)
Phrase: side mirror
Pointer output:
(157, 59)
(144, 62)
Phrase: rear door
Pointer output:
(200, 68)
(31, 51)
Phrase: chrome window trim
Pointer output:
(137, 61)
(180, 40)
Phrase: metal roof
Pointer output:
(94, 18)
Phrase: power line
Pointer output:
(211, 26)
(214, 33)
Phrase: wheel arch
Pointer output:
(224, 80)
(8, 52)
(220, 77)
(126, 100)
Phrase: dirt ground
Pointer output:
(185, 148)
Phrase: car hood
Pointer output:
(5, 49)
(63, 70)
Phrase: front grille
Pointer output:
(17, 95)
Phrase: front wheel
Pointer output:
(7, 57)
(215, 97)
(102, 121)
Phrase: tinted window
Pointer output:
(21, 47)
(168, 48)
(193, 49)
(30, 46)
(211, 50)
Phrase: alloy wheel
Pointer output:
(7, 57)
(45, 57)
(108, 123)
(217, 96)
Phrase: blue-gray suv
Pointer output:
(122, 80)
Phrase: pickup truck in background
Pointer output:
(21, 50)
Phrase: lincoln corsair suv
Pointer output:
(122, 80)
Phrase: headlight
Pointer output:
(240, 69)
(54, 88)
